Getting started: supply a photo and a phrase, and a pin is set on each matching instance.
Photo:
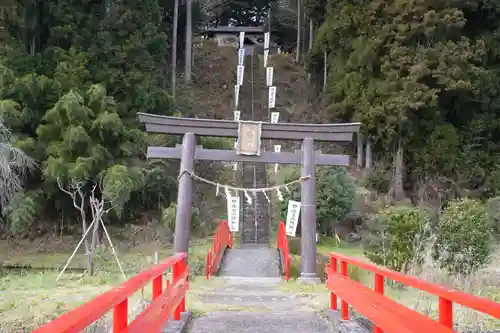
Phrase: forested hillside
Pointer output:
(422, 195)
(421, 76)
(74, 75)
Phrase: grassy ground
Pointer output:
(482, 284)
(32, 297)
(29, 298)
(466, 319)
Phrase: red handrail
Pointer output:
(222, 240)
(282, 244)
(446, 296)
(117, 299)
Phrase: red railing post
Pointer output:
(445, 312)
(120, 316)
(179, 269)
(379, 288)
(183, 269)
(376, 303)
(344, 307)
(208, 267)
(116, 301)
(222, 239)
(216, 247)
(333, 297)
(282, 244)
(157, 286)
(287, 269)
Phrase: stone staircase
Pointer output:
(256, 217)
(253, 307)
(246, 298)
(251, 262)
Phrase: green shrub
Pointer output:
(379, 179)
(294, 245)
(168, 216)
(335, 194)
(465, 236)
(396, 237)
(322, 260)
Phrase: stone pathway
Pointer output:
(251, 299)
(257, 306)
(251, 262)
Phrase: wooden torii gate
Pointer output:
(249, 135)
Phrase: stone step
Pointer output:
(256, 217)
(252, 301)
(252, 281)
(261, 322)
(251, 262)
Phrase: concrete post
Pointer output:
(308, 215)
(185, 195)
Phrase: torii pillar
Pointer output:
(308, 157)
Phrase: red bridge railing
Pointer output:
(166, 302)
(222, 240)
(387, 315)
(282, 245)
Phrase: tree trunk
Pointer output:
(299, 24)
(325, 70)
(359, 161)
(88, 251)
(368, 155)
(189, 41)
(311, 36)
(398, 189)
(95, 236)
(303, 33)
(174, 45)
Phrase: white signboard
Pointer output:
(241, 56)
(237, 115)
(275, 116)
(239, 78)
(235, 166)
(292, 217)
(242, 39)
(233, 213)
(272, 97)
(267, 37)
(266, 55)
(236, 95)
(269, 76)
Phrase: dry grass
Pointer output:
(484, 283)
(31, 298)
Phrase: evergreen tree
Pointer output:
(73, 98)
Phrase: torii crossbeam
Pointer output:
(249, 150)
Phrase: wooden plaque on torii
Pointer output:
(249, 151)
